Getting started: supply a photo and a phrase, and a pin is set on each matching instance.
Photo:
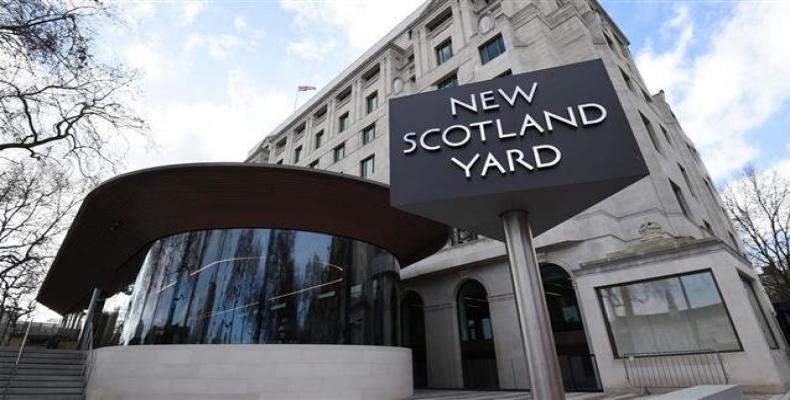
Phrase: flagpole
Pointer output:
(296, 98)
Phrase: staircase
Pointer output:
(41, 374)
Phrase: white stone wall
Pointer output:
(276, 372)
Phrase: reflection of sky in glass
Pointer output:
(262, 286)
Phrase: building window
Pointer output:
(320, 113)
(368, 134)
(647, 97)
(372, 74)
(507, 72)
(444, 51)
(687, 180)
(651, 132)
(627, 80)
(319, 138)
(297, 154)
(279, 147)
(339, 152)
(666, 134)
(344, 95)
(682, 313)
(372, 102)
(314, 164)
(492, 49)
(448, 82)
(280, 162)
(680, 198)
(366, 167)
(759, 313)
(440, 19)
(299, 131)
(708, 227)
(342, 122)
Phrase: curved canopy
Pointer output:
(118, 221)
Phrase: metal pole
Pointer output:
(95, 299)
(533, 315)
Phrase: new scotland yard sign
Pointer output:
(552, 142)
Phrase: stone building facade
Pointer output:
(653, 273)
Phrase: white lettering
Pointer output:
(583, 113)
(569, 121)
(500, 133)
(481, 126)
(424, 135)
(519, 158)
(466, 167)
(471, 107)
(408, 139)
(543, 164)
(486, 99)
(529, 122)
(491, 161)
(518, 92)
(467, 136)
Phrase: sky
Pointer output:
(218, 76)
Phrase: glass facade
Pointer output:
(683, 313)
(240, 286)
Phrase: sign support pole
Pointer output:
(533, 315)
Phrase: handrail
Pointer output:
(87, 353)
(24, 341)
(18, 358)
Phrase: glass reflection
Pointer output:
(264, 286)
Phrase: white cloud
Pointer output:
(733, 86)
(144, 57)
(190, 9)
(360, 23)
(308, 49)
(136, 11)
(224, 129)
(218, 46)
(240, 23)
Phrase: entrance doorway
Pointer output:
(478, 358)
(576, 363)
(413, 336)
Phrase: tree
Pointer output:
(759, 205)
(63, 121)
(56, 98)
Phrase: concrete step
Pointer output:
(19, 383)
(43, 397)
(43, 391)
(43, 371)
(5, 377)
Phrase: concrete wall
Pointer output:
(250, 372)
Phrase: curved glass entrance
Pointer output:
(478, 358)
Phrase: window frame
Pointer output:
(485, 46)
(680, 198)
(318, 139)
(615, 353)
(339, 149)
(451, 77)
(342, 122)
(372, 99)
(372, 160)
(297, 154)
(369, 128)
(439, 50)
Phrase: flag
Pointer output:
(305, 88)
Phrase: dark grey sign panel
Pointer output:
(552, 142)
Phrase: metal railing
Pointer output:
(87, 352)
(13, 371)
(580, 372)
(675, 370)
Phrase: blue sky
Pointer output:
(217, 76)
